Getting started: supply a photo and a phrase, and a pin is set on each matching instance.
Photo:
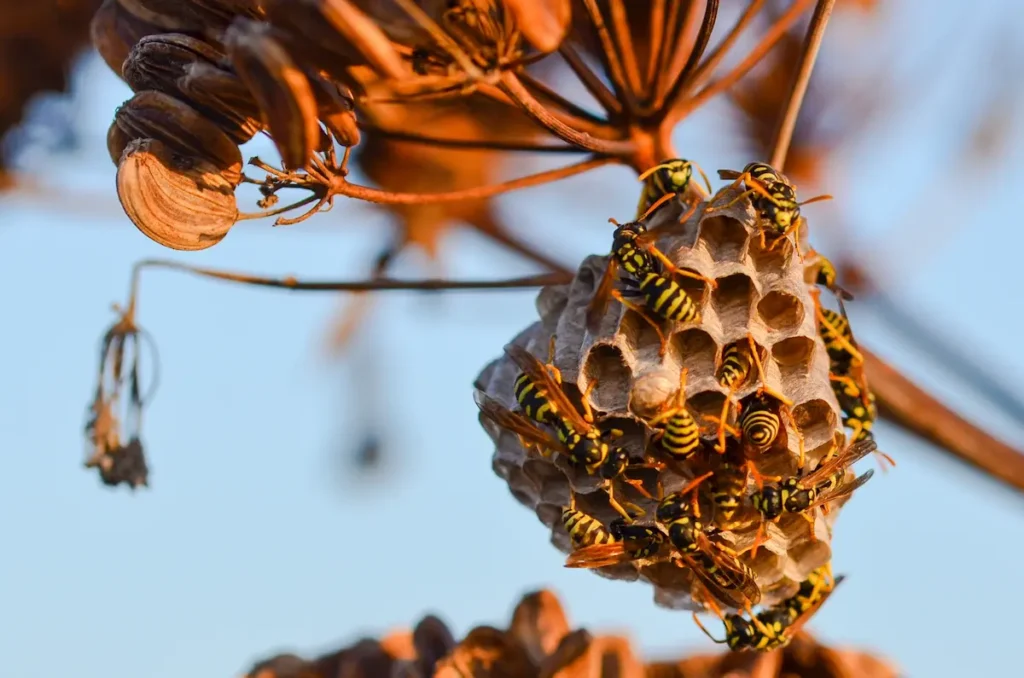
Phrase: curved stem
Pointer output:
(624, 38)
(722, 48)
(339, 186)
(511, 85)
(376, 284)
(469, 144)
(589, 79)
(610, 56)
(543, 91)
(812, 44)
(703, 37)
(771, 38)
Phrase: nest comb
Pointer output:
(761, 292)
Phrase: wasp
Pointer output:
(679, 435)
(646, 278)
(629, 541)
(779, 624)
(760, 421)
(857, 404)
(576, 437)
(583, 529)
(801, 493)
(834, 329)
(772, 196)
(715, 566)
(663, 181)
(728, 487)
(827, 276)
(533, 401)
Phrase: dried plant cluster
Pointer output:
(540, 643)
(760, 293)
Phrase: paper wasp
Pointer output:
(667, 179)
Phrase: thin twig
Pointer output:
(339, 186)
(907, 405)
(468, 144)
(544, 91)
(675, 32)
(597, 89)
(597, 130)
(624, 38)
(721, 49)
(812, 44)
(444, 41)
(703, 37)
(771, 38)
(610, 56)
(511, 85)
(379, 284)
(490, 226)
(656, 41)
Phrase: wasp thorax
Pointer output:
(629, 367)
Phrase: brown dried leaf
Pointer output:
(179, 201)
(433, 641)
(280, 88)
(201, 16)
(572, 658)
(544, 23)
(487, 652)
(224, 98)
(154, 115)
(539, 624)
(336, 110)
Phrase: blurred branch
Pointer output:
(907, 405)
(590, 80)
(469, 144)
(677, 90)
(610, 57)
(812, 44)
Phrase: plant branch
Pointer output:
(812, 45)
(590, 81)
(770, 39)
(703, 37)
(610, 56)
(444, 41)
(468, 144)
(677, 28)
(624, 38)
(339, 186)
(598, 131)
(908, 406)
(376, 284)
(656, 43)
(722, 48)
(511, 85)
(544, 91)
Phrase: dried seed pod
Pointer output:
(223, 98)
(759, 293)
(114, 30)
(201, 16)
(336, 110)
(154, 115)
(182, 202)
(117, 140)
(339, 28)
(539, 623)
(543, 22)
(156, 62)
(280, 88)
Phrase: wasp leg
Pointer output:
(703, 176)
(837, 336)
(672, 268)
(637, 484)
(555, 372)
(759, 477)
(617, 506)
(764, 388)
(796, 238)
(588, 413)
(643, 314)
(655, 205)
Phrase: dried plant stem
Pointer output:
(812, 44)
(469, 144)
(677, 89)
(544, 91)
(721, 49)
(675, 32)
(600, 130)
(624, 39)
(511, 85)
(907, 405)
(656, 41)
(771, 38)
(443, 40)
(492, 228)
(339, 186)
(590, 81)
(377, 284)
(610, 57)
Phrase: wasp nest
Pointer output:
(539, 642)
(761, 294)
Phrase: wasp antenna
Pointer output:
(652, 170)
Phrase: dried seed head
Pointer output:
(761, 293)
(114, 30)
(336, 110)
(157, 61)
(223, 98)
(280, 88)
(180, 201)
(154, 115)
(195, 16)
(543, 22)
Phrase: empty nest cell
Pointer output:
(725, 238)
(732, 300)
(608, 377)
(781, 311)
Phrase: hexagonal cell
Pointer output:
(696, 289)
(781, 311)
(776, 254)
(724, 237)
(652, 389)
(793, 352)
(607, 375)
(732, 300)
(554, 488)
(695, 350)
(638, 333)
(550, 515)
(744, 346)
(706, 403)
(816, 420)
(806, 556)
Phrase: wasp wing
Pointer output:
(850, 455)
(599, 555)
(740, 576)
(842, 491)
(599, 302)
(538, 373)
(517, 424)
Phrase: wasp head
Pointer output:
(769, 501)
(739, 632)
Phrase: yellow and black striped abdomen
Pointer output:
(585, 530)
(763, 174)
(735, 366)
(667, 300)
(760, 426)
(534, 405)
(681, 435)
(834, 332)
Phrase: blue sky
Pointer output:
(254, 538)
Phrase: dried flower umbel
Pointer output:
(539, 643)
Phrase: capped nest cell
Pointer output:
(761, 293)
